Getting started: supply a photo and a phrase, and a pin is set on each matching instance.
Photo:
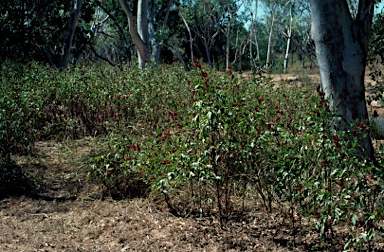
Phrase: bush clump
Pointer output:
(202, 140)
(206, 138)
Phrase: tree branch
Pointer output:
(101, 57)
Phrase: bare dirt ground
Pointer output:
(71, 215)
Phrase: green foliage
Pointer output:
(201, 140)
(21, 108)
(218, 137)
(35, 30)
(143, 138)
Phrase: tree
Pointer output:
(269, 51)
(36, 30)
(376, 54)
(252, 8)
(225, 17)
(276, 8)
(288, 34)
(204, 25)
(341, 40)
(296, 29)
(156, 26)
(72, 24)
(240, 48)
(30, 29)
(301, 38)
(191, 39)
(139, 28)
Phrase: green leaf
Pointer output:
(354, 218)
(364, 236)
(209, 115)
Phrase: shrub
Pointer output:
(219, 136)
(200, 140)
(20, 111)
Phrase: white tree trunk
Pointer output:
(289, 35)
(155, 45)
(139, 31)
(227, 32)
(142, 30)
(269, 50)
(287, 52)
(341, 49)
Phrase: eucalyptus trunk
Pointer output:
(269, 50)
(289, 35)
(139, 30)
(142, 30)
(227, 47)
(341, 48)
(156, 43)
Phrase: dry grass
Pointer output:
(73, 217)
(128, 225)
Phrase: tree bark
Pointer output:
(341, 49)
(142, 30)
(72, 24)
(289, 35)
(227, 46)
(157, 44)
(139, 31)
(269, 50)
